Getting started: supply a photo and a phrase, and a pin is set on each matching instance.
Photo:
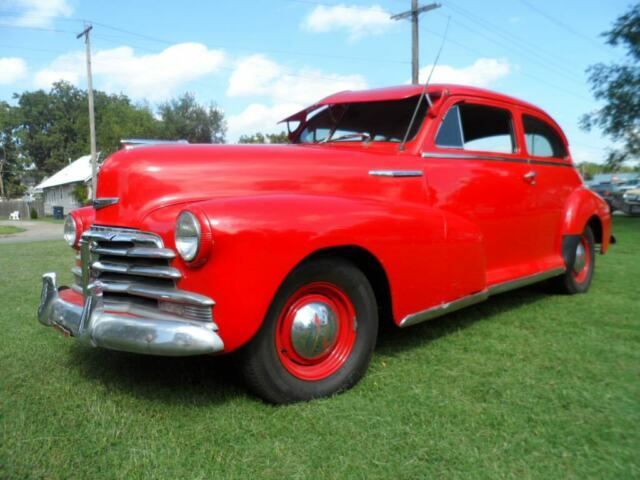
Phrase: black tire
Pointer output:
(571, 283)
(262, 366)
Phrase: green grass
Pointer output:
(9, 230)
(526, 385)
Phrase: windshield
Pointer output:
(384, 121)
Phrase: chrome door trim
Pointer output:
(444, 308)
(472, 299)
(490, 157)
(395, 173)
(524, 281)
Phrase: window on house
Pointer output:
(542, 140)
(477, 127)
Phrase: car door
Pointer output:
(476, 174)
(555, 179)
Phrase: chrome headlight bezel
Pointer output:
(188, 236)
(70, 231)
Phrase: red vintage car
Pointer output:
(291, 255)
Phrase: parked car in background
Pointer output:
(605, 190)
(631, 201)
(291, 255)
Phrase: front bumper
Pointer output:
(136, 330)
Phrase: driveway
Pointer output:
(35, 231)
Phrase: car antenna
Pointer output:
(424, 93)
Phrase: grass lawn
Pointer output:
(526, 385)
(9, 230)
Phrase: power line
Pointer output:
(42, 29)
(526, 74)
(533, 52)
(563, 25)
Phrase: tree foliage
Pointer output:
(10, 162)
(184, 119)
(45, 130)
(258, 137)
(54, 126)
(618, 85)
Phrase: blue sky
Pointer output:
(260, 60)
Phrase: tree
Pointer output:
(184, 119)
(11, 165)
(619, 86)
(54, 126)
(258, 137)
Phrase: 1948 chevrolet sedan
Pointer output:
(292, 254)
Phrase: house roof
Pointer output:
(77, 171)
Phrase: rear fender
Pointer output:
(582, 207)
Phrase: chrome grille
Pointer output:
(133, 268)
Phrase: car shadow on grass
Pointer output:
(206, 380)
(197, 380)
(393, 340)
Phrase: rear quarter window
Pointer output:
(541, 139)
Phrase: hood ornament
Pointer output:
(99, 203)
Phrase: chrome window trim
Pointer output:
(496, 158)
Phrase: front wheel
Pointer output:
(318, 335)
(578, 276)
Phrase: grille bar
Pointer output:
(102, 234)
(154, 271)
(136, 252)
(133, 270)
(159, 293)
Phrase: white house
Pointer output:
(57, 190)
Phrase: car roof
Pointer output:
(400, 92)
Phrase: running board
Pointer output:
(469, 300)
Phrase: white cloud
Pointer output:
(35, 13)
(153, 76)
(257, 75)
(358, 21)
(481, 73)
(12, 69)
(286, 90)
(260, 118)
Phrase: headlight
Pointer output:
(70, 231)
(188, 234)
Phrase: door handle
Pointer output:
(530, 177)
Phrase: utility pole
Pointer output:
(2, 160)
(414, 13)
(92, 120)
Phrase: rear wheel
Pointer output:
(578, 276)
(318, 335)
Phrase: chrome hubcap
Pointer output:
(314, 329)
(581, 258)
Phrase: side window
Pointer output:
(477, 127)
(450, 133)
(542, 140)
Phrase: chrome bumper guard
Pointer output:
(136, 330)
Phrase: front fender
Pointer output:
(259, 240)
(581, 206)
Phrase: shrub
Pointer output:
(33, 214)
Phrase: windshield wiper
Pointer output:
(363, 136)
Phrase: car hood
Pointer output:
(147, 178)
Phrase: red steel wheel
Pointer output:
(316, 331)
(582, 264)
(318, 335)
